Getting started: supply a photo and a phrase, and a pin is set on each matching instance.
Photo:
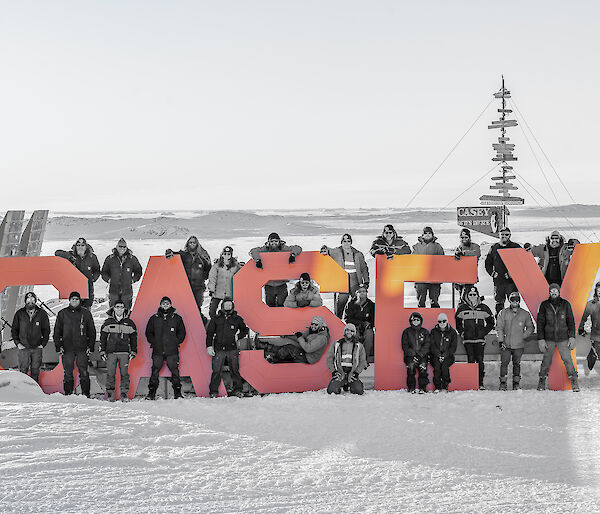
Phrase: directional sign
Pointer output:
(486, 220)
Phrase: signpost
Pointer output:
(486, 220)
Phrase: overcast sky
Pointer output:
(275, 104)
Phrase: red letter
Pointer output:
(391, 317)
(247, 287)
(576, 287)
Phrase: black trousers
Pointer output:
(172, 364)
(502, 291)
(68, 361)
(275, 295)
(441, 372)
(233, 358)
(411, 370)
(475, 353)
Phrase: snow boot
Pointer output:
(503, 386)
(239, 394)
(574, 384)
(110, 395)
(177, 392)
(422, 391)
(85, 387)
(151, 394)
(481, 387)
(541, 384)
(516, 383)
(214, 395)
(68, 386)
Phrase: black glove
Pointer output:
(527, 246)
(423, 366)
(292, 258)
(298, 334)
(416, 359)
(581, 331)
(336, 375)
(259, 264)
(458, 254)
(502, 345)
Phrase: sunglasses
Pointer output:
(442, 321)
(226, 253)
(122, 246)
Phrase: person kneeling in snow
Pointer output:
(222, 334)
(118, 344)
(165, 331)
(305, 347)
(415, 345)
(346, 359)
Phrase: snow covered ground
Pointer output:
(383, 452)
(390, 451)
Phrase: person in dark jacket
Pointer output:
(118, 345)
(443, 342)
(592, 311)
(74, 339)
(556, 329)
(415, 345)
(495, 267)
(121, 269)
(196, 263)
(222, 334)
(389, 243)
(474, 320)
(553, 257)
(165, 331)
(353, 261)
(30, 332)
(346, 359)
(82, 256)
(360, 311)
(275, 290)
(428, 245)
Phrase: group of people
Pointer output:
(75, 333)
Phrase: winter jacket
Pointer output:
(473, 323)
(591, 309)
(334, 356)
(118, 335)
(31, 331)
(196, 265)
(542, 252)
(362, 270)
(295, 250)
(121, 272)
(360, 315)
(298, 298)
(514, 327)
(88, 264)
(397, 246)
(555, 321)
(495, 264)
(220, 280)
(165, 331)
(415, 342)
(430, 248)
(223, 331)
(314, 343)
(443, 343)
(470, 250)
(74, 329)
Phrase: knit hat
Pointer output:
(319, 320)
(228, 249)
(442, 316)
(362, 286)
(166, 299)
(121, 242)
(465, 231)
(227, 300)
(514, 295)
(274, 235)
(305, 276)
(505, 229)
(30, 294)
(555, 233)
(415, 315)
(350, 326)
(553, 286)
(427, 229)
(74, 294)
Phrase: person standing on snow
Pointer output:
(474, 321)
(30, 332)
(74, 339)
(165, 331)
(443, 341)
(415, 345)
(592, 310)
(389, 243)
(118, 345)
(196, 263)
(220, 279)
(514, 325)
(495, 267)
(556, 329)
(82, 256)
(222, 333)
(353, 261)
(346, 359)
(428, 245)
(121, 269)
(275, 290)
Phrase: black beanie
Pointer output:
(305, 276)
(74, 294)
(428, 229)
(31, 293)
(166, 299)
(274, 235)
